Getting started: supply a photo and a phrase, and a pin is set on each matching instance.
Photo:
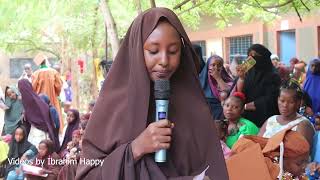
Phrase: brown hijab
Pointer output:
(125, 107)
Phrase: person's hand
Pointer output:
(155, 137)
(215, 72)
(241, 72)
(45, 171)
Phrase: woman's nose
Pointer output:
(164, 60)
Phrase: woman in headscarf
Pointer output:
(73, 120)
(13, 114)
(46, 155)
(122, 131)
(312, 84)
(37, 114)
(19, 149)
(261, 86)
(53, 112)
(216, 83)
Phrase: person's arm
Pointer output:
(57, 83)
(240, 84)
(223, 86)
(306, 129)
(35, 81)
(272, 84)
(263, 128)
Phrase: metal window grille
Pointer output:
(239, 46)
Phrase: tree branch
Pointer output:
(304, 5)
(153, 3)
(44, 50)
(270, 6)
(197, 5)
(296, 9)
(181, 4)
(279, 5)
(265, 9)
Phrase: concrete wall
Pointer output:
(214, 46)
(306, 48)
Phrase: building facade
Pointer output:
(287, 37)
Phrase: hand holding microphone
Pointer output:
(157, 136)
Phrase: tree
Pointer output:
(111, 26)
(153, 3)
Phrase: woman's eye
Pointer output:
(153, 51)
(172, 52)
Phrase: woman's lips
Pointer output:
(162, 74)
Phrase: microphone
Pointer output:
(161, 94)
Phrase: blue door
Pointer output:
(287, 46)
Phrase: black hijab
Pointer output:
(74, 125)
(17, 149)
(261, 86)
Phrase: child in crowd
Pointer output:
(19, 149)
(222, 127)
(48, 156)
(237, 125)
(82, 127)
(73, 148)
(73, 120)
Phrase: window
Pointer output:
(239, 46)
(202, 44)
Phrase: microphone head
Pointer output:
(162, 89)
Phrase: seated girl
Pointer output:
(73, 148)
(20, 150)
(237, 125)
(289, 102)
(46, 155)
(82, 127)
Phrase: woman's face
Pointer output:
(162, 52)
(76, 138)
(18, 135)
(315, 68)
(11, 94)
(215, 65)
(287, 103)
(70, 116)
(232, 109)
(43, 149)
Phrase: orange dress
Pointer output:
(47, 81)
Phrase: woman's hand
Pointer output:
(155, 137)
(215, 72)
(241, 72)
